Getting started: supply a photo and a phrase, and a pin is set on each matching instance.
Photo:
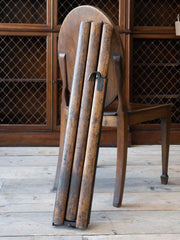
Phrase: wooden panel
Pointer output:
(157, 79)
(108, 137)
(47, 22)
(38, 138)
(28, 138)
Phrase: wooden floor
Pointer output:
(150, 210)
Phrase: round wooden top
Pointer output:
(67, 43)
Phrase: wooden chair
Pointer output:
(126, 114)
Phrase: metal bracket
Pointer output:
(100, 79)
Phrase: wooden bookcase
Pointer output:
(152, 61)
(30, 82)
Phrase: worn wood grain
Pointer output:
(101, 237)
(149, 210)
(134, 237)
(72, 121)
(92, 148)
(112, 223)
(102, 185)
(11, 203)
(83, 125)
(33, 151)
(28, 151)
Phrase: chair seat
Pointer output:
(137, 107)
(133, 107)
(137, 113)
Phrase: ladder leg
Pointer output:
(71, 126)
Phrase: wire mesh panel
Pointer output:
(23, 80)
(155, 12)
(156, 73)
(110, 7)
(23, 11)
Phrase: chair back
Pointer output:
(67, 44)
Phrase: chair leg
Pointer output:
(122, 145)
(62, 134)
(165, 129)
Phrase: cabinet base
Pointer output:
(138, 136)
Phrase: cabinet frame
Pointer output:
(31, 27)
(48, 135)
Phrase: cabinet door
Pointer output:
(23, 11)
(155, 13)
(25, 81)
(156, 73)
(110, 7)
(156, 56)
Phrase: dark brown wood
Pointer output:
(149, 32)
(139, 135)
(123, 116)
(79, 14)
(25, 138)
(49, 138)
(130, 114)
(146, 113)
(56, 86)
(72, 123)
(106, 71)
(128, 31)
(165, 132)
(62, 61)
(87, 13)
(106, 68)
(122, 134)
(89, 169)
(122, 145)
(151, 134)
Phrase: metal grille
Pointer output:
(156, 73)
(110, 7)
(23, 11)
(155, 12)
(23, 79)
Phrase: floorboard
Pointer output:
(150, 210)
